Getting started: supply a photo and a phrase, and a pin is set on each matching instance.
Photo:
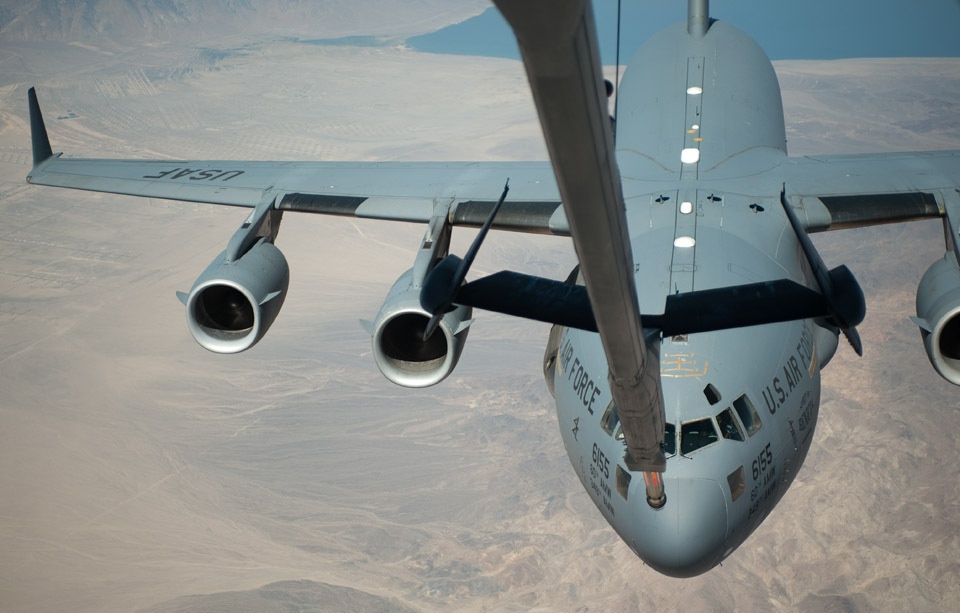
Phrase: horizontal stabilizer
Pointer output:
(537, 298)
(565, 304)
(723, 308)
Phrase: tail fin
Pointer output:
(38, 132)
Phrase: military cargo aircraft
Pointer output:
(687, 345)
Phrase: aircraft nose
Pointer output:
(686, 537)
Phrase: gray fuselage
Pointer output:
(700, 138)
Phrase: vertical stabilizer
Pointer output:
(38, 132)
(698, 17)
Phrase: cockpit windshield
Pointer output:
(748, 414)
(610, 422)
(728, 425)
(670, 440)
(695, 435)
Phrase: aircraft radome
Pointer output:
(687, 345)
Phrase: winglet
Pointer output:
(38, 132)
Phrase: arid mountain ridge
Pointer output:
(110, 22)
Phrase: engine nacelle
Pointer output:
(398, 346)
(233, 303)
(938, 314)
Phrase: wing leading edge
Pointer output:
(395, 191)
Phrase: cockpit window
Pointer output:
(669, 440)
(696, 435)
(712, 394)
(610, 422)
(729, 427)
(748, 414)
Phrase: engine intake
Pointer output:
(938, 315)
(401, 353)
(233, 303)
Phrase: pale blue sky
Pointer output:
(786, 29)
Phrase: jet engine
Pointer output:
(233, 303)
(401, 353)
(938, 315)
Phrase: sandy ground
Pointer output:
(139, 472)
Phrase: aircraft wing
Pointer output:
(850, 191)
(397, 191)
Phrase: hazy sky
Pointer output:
(786, 29)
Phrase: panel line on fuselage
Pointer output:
(684, 266)
(693, 120)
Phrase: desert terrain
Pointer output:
(139, 472)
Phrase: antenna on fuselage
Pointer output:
(698, 17)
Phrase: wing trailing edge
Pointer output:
(838, 192)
